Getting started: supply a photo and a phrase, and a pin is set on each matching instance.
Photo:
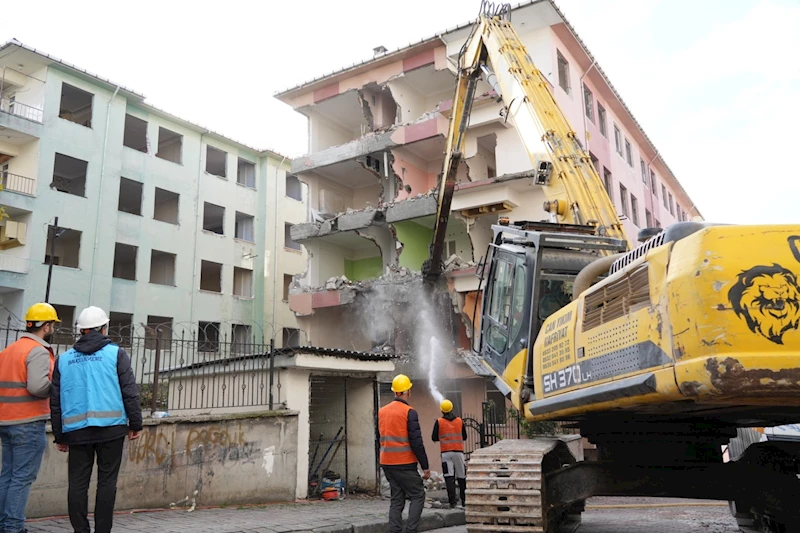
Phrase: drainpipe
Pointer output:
(99, 194)
(195, 288)
(275, 249)
(585, 127)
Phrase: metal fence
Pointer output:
(183, 370)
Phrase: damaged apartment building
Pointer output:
(377, 134)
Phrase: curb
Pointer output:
(431, 519)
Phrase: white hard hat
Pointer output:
(92, 317)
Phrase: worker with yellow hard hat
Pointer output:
(26, 370)
(449, 431)
(401, 450)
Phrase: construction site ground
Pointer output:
(369, 515)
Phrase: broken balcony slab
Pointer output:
(428, 127)
(417, 207)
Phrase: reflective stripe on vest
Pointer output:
(393, 428)
(451, 438)
(90, 390)
(16, 403)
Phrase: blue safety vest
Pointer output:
(90, 391)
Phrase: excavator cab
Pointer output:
(531, 267)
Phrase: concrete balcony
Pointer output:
(13, 263)
(22, 122)
(18, 184)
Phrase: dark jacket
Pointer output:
(88, 344)
(448, 416)
(415, 440)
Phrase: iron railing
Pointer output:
(19, 184)
(19, 109)
(176, 372)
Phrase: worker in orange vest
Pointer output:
(26, 370)
(401, 450)
(449, 431)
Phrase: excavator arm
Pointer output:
(574, 191)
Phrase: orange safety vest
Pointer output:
(16, 403)
(393, 427)
(451, 438)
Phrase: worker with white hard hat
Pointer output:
(95, 403)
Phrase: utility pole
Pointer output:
(53, 234)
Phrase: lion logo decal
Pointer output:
(768, 298)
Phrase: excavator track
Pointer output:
(505, 488)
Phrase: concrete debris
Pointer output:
(455, 262)
(334, 284)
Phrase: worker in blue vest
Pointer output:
(94, 404)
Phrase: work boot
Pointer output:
(450, 482)
(462, 489)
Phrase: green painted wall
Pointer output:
(371, 267)
(416, 239)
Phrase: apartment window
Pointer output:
(294, 189)
(244, 227)
(67, 247)
(588, 103)
(65, 331)
(601, 120)
(653, 184)
(210, 276)
(208, 337)
(120, 328)
(644, 171)
(158, 327)
(242, 282)
(291, 337)
(595, 162)
(130, 196)
(165, 206)
(618, 140)
(241, 339)
(246, 173)
(628, 152)
(657, 223)
(76, 105)
(563, 72)
(124, 261)
(69, 175)
(135, 135)
(497, 404)
(287, 238)
(162, 268)
(607, 182)
(664, 195)
(648, 219)
(170, 145)
(214, 218)
(671, 205)
(634, 210)
(623, 195)
(216, 162)
(287, 284)
(680, 214)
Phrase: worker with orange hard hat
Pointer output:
(26, 370)
(401, 450)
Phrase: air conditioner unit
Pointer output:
(12, 234)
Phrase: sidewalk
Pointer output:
(360, 515)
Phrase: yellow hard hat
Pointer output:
(401, 383)
(446, 406)
(41, 312)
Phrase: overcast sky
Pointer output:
(715, 83)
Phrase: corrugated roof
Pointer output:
(574, 33)
(139, 98)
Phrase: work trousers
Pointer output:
(23, 448)
(405, 485)
(81, 462)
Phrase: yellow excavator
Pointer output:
(656, 354)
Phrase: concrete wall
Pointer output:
(225, 459)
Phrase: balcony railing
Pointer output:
(21, 110)
(13, 263)
(19, 184)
